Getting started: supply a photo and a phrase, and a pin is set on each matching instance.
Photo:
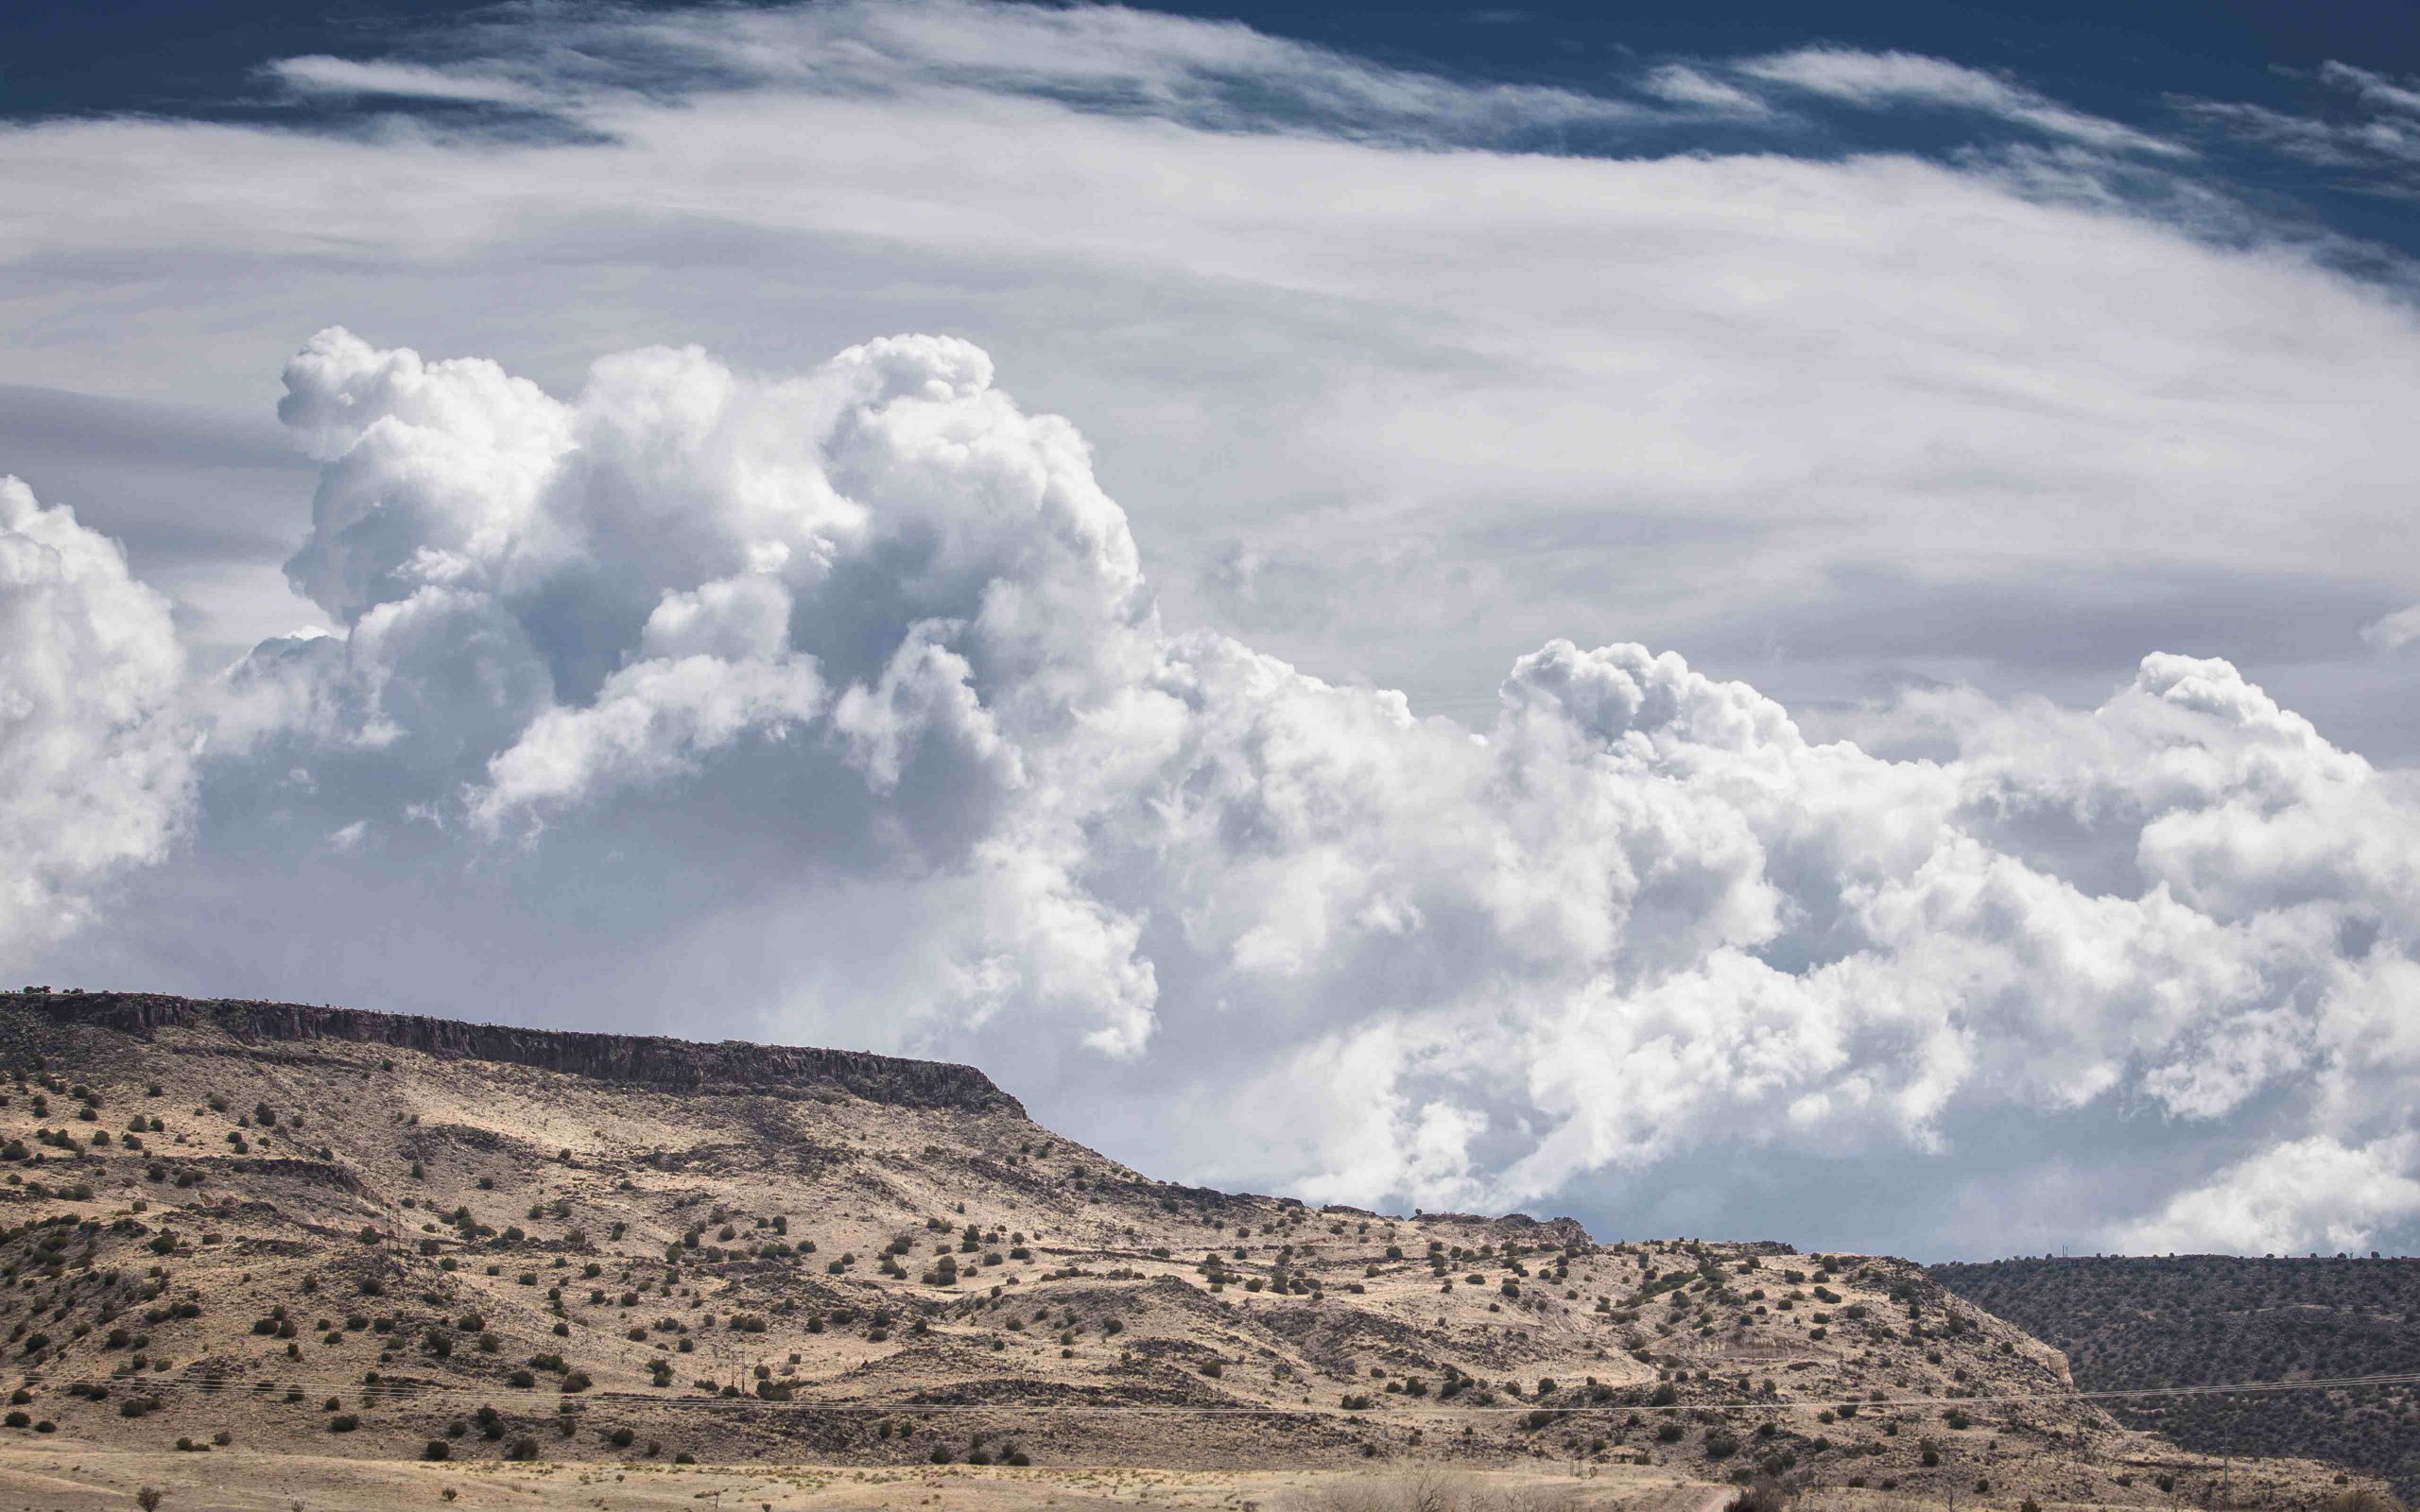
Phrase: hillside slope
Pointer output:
(2212, 1320)
(392, 1236)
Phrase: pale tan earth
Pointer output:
(78, 1479)
(1137, 1342)
(75, 1478)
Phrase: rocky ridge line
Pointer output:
(654, 1062)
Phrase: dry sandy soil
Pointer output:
(73, 1478)
(340, 1242)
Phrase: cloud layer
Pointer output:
(887, 624)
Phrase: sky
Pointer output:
(1726, 629)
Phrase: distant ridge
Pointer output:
(652, 1061)
(2134, 1321)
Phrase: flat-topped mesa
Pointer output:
(648, 1061)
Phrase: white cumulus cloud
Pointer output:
(2308, 1194)
(865, 657)
(96, 772)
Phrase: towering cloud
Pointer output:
(92, 774)
(845, 695)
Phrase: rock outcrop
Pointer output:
(651, 1060)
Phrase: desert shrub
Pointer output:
(1765, 1493)
(1426, 1488)
(344, 1422)
(436, 1449)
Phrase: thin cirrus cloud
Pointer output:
(1682, 84)
(1884, 80)
(1210, 73)
(848, 699)
(321, 75)
(2361, 125)
(2374, 87)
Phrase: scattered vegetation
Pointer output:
(2208, 1319)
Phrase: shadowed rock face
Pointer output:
(651, 1060)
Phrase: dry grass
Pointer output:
(1431, 1489)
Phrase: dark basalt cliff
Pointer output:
(648, 1061)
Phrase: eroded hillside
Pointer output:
(398, 1237)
